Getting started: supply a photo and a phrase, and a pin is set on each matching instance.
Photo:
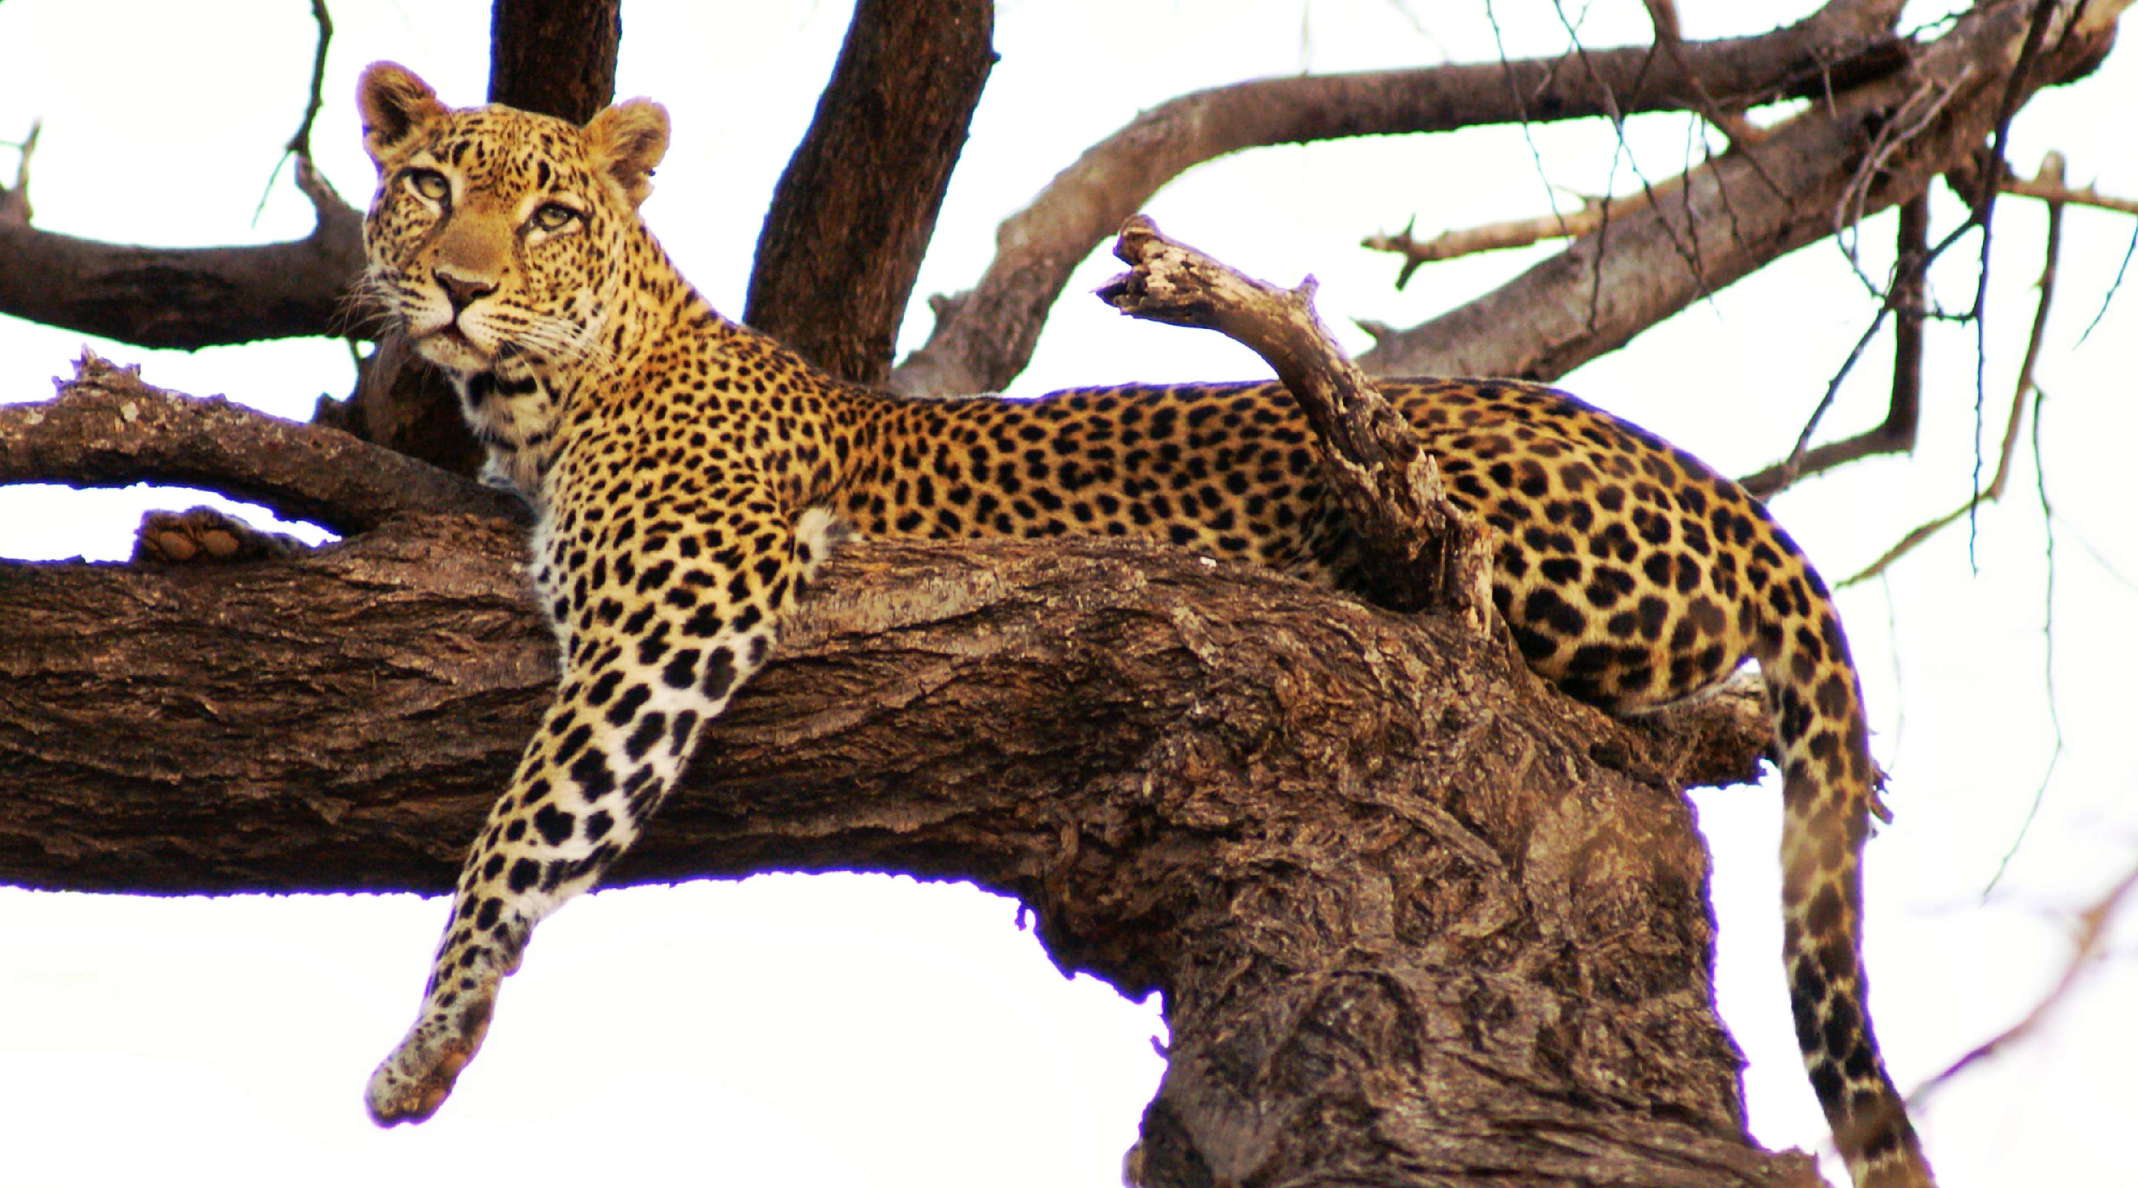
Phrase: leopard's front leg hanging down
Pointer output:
(688, 475)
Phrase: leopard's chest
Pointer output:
(514, 419)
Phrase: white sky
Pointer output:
(870, 1031)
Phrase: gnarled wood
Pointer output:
(1416, 916)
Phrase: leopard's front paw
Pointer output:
(203, 535)
(415, 1080)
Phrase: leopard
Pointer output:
(688, 475)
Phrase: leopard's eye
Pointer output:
(429, 183)
(553, 216)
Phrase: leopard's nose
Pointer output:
(461, 291)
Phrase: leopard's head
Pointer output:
(496, 234)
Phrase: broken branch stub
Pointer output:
(1419, 551)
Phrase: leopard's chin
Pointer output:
(450, 348)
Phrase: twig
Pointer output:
(1914, 116)
(2048, 652)
(2053, 189)
(1492, 237)
(15, 203)
(300, 142)
(1904, 299)
(1984, 207)
(2052, 248)
(2086, 948)
(1742, 133)
(1688, 251)
(2114, 286)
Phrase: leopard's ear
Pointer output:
(395, 105)
(627, 141)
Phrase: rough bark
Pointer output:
(1416, 917)
(557, 57)
(856, 207)
(187, 297)
(984, 337)
(108, 429)
(1401, 880)
(1420, 553)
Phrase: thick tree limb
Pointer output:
(1338, 839)
(186, 297)
(557, 57)
(983, 338)
(856, 207)
(1734, 215)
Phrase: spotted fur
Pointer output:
(688, 474)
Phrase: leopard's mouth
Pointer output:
(451, 347)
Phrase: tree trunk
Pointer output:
(855, 209)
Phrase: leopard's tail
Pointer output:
(1828, 795)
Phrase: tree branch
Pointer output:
(856, 207)
(557, 57)
(1734, 215)
(983, 338)
(1335, 838)
(106, 428)
(1419, 551)
(186, 298)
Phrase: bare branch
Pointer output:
(1587, 301)
(300, 143)
(2052, 188)
(986, 335)
(2087, 947)
(1663, 14)
(2022, 389)
(184, 297)
(107, 428)
(1511, 233)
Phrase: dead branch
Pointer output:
(1663, 15)
(300, 142)
(1512, 233)
(856, 207)
(2047, 184)
(2022, 388)
(983, 338)
(1587, 300)
(1421, 552)
(107, 428)
(1904, 299)
(2088, 946)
